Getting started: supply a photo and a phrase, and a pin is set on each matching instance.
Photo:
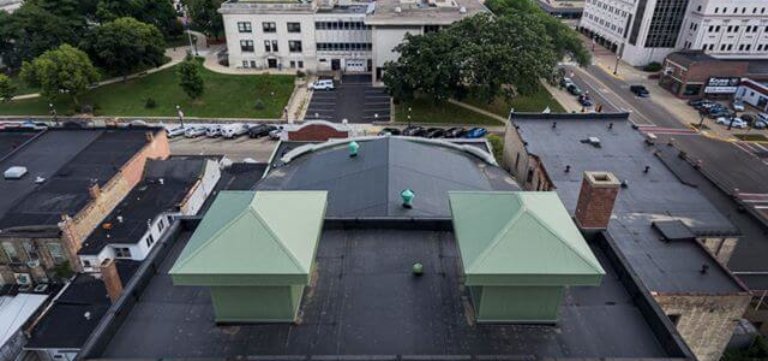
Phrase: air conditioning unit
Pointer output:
(23, 278)
(33, 263)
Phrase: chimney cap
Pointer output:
(602, 179)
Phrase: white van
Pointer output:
(322, 84)
(234, 130)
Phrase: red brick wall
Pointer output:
(701, 72)
(595, 205)
(111, 279)
(316, 132)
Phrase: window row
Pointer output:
(735, 28)
(32, 252)
(736, 10)
(341, 25)
(270, 46)
(267, 27)
(344, 46)
(611, 9)
(729, 47)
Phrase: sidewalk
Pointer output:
(478, 110)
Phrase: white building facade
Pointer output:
(326, 35)
(644, 31)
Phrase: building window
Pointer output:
(87, 263)
(31, 251)
(267, 46)
(56, 252)
(748, 47)
(244, 27)
(150, 240)
(717, 29)
(269, 27)
(294, 27)
(431, 28)
(698, 8)
(294, 46)
(666, 23)
(246, 46)
(716, 9)
(301, 64)
(161, 225)
(292, 64)
(10, 252)
(122, 252)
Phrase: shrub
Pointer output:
(258, 104)
(300, 74)
(497, 143)
(150, 103)
(652, 67)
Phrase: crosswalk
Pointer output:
(666, 131)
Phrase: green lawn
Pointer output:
(426, 111)
(225, 96)
(535, 103)
(22, 87)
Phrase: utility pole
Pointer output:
(52, 111)
(189, 34)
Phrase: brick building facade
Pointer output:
(688, 74)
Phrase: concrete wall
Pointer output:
(706, 322)
(526, 168)
(530, 304)
(385, 39)
(256, 303)
(720, 247)
(200, 191)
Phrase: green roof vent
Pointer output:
(353, 148)
(407, 195)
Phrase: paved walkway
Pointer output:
(478, 110)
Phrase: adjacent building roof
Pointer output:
(15, 311)
(420, 13)
(520, 238)
(69, 162)
(165, 184)
(658, 195)
(254, 238)
(369, 185)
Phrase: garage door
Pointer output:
(354, 65)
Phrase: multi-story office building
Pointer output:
(327, 35)
(643, 31)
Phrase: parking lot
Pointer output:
(236, 149)
(354, 99)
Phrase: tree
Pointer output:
(190, 79)
(65, 70)
(205, 15)
(7, 88)
(126, 45)
(159, 13)
(481, 55)
(564, 39)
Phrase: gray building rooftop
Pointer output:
(369, 185)
(658, 195)
(420, 12)
(364, 301)
(69, 161)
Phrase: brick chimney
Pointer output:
(596, 199)
(94, 190)
(111, 279)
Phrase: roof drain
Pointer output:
(407, 195)
(353, 148)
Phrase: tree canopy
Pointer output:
(564, 39)
(190, 79)
(125, 45)
(205, 16)
(64, 70)
(7, 88)
(485, 55)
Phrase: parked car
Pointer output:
(414, 131)
(761, 122)
(697, 102)
(195, 131)
(476, 133)
(639, 90)
(234, 130)
(738, 105)
(276, 134)
(390, 131)
(734, 122)
(574, 89)
(455, 132)
(138, 123)
(322, 84)
(176, 131)
(564, 82)
(30, 124)
(435, 133)
(720, 113)
(213, 131)
(585, 101)
(261, 130)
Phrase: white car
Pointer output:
(322, 84)
(213, 131)
(176, 131)
(234, 130)
(276, 134)
(195, 131)
(737, 122)
(738, 105)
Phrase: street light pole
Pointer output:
(181, 115)
(701, 121)
(409, 117)
(189, 34)
(619, 52)
(52, 110)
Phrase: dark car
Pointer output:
(390, 131)
(476, 133)
(414, 131)
(585, 101)
(639, 90)
(697, 102)
(435, 133)
(455, 132)
(261, 130)
(574, 89)
(721, 113)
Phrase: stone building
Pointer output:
(616, 186)
(74, 178)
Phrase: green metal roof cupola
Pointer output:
(354, 147)
(256, 251)
(519, 250)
